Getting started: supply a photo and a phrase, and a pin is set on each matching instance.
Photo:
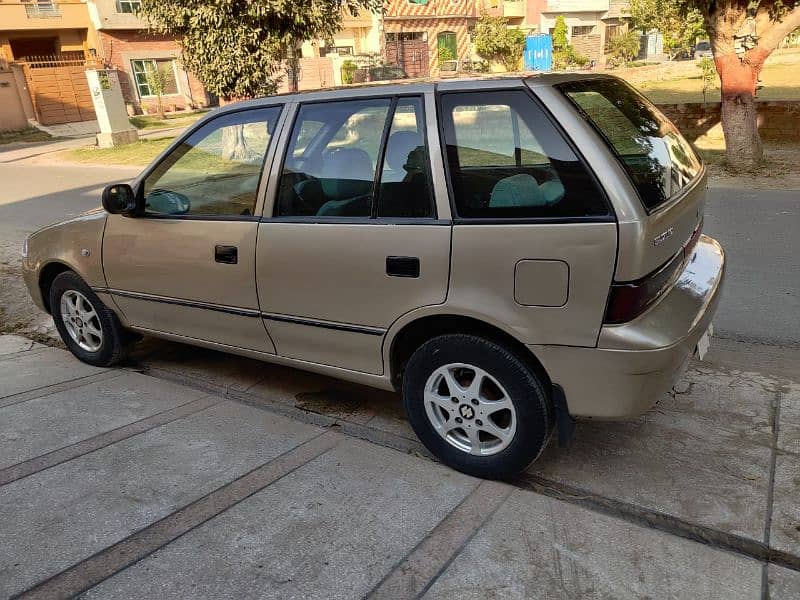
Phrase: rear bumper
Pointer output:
(637, 362)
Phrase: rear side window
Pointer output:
(659, 161)
(507, 160)
(357, 159)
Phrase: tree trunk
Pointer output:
(234, 144)
(738, 79)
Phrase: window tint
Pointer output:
(507, 160)
(335, 151)
(659, 161)
(405, 187)
(216, 170)
(331, 172)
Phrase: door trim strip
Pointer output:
(324, 324)
(231, 310)
(243, 312)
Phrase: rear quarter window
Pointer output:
(657, 158)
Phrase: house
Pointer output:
(124, 44)
(418, 31)
(590, 23)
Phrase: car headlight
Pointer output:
(25, 248)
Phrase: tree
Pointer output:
(560, 41)
(680, 25)
(708, 73)
(237, 48)
(158, 78)
(625, 46)
(564, 55)
(755, 29)
(495, 41)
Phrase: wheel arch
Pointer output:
(47, 275)
(412, 334)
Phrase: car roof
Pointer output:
(416, 86)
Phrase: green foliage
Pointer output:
(158, 78)
(236, 47)
(494, 41)
(444, 54)
(708, 72)
(560, 41)
(678, 21)
(568, 57)
(625, 46)
(348, 71)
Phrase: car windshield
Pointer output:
(659, 161)
(703, 46)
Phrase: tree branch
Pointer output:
(773, 33)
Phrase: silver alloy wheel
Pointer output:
(470, 409)
(81, 321)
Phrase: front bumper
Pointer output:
(30, 275)
(635, 363)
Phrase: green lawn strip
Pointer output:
(170, 120)
(138, 154)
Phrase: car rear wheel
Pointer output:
(476, 406)
(90, 330)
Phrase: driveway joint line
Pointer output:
(127, 552)
(103, 440)
(422, 566)
(625, 511)
(54, 388)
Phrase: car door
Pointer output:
(534, 236)
(185, 264)
(354, 240)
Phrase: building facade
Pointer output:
(124, 44)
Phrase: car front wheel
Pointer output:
(90, 330)
(477, 406)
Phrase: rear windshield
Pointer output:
(659, 161)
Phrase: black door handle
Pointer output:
(402, 266)
(226, 254)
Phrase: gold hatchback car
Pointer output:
(508, 253)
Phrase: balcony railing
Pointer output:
(42, 10)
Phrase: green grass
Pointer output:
(780, 83)
(180, 119)
(137, 154)
(31, 134)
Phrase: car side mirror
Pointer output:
(119, 199)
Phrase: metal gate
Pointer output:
(58, 88)
(412, 55)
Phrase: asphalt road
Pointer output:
(759, 230)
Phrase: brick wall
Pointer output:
(118, 48)
(590, 45)
(777, 121)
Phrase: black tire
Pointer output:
(112, 348)
(525, 388)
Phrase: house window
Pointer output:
(129, 6)
(142, 67)
(582, 29)
(340, 50)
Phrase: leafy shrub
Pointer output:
(348, 71)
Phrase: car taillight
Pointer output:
(630, 299)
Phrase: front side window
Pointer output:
(216, 170)
(507, 160)
(338, 165)
(658, 160)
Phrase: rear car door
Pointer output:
(185, 265)
(534, 237)
(353, 241)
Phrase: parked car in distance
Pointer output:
(703, 50)
(509, 254)
(382, 73)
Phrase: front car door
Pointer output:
(185, 265)
(354, 241)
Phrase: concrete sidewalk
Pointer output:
(251, 482)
